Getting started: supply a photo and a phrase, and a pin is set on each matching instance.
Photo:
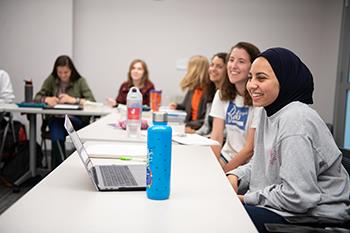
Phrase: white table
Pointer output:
(31, 113)
(109, 130)
(201, 200)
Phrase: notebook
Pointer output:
(65, 107)
(110, 177)
(31, 105)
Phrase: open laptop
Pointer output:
(111, 177)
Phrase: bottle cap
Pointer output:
(28, 82)
(160, 117)
(156, 91)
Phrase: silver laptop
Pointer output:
(111, 177)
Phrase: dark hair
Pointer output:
(145, 73)
(64, 60)
(222, 56)
(211, 89)
(228, 90)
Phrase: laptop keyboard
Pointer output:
(113, 175)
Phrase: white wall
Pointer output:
(325, 72)
(108, 34)
(104, 36)
(32, 34)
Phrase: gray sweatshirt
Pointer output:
(296, 168)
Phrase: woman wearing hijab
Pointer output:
(296, 169)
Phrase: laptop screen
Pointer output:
(77, 143)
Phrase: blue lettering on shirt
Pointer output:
(236, 116)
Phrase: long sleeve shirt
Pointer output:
(78, 88)
(6, 90)
(145, 91)
(296, 168)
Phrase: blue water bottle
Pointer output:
(159, 157)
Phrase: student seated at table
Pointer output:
(296, 170)
(217, 73)
(233, 112)
(6, 95)
(6, 90)
(64, 86)
(196, 82)
(138, 76)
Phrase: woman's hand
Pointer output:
(189, 130)
(51, 101)
(234, 181)
(172, 105)
(66, 99)
(241, 198)
(111, 102)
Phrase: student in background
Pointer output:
(138, 76)
(196, 82)
(6, 91)
(217, 74)
(232, 110)
(64, 86)
(296, 169)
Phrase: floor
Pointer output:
(8, 196)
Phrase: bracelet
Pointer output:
(77, 100)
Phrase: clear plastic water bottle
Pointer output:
(159, 158)
(134, 112)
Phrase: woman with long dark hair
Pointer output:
(233, 112)
(64, 86)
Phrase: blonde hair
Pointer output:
(197, 73)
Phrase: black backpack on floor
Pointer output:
(18, 165)
(14, 158)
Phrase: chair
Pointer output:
(6, 121)
(46, 135)
(272, 227)
(330, 127)
(346, 159)
(8, 128)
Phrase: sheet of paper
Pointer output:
(194, 139)
(66, 106)
(106, 150)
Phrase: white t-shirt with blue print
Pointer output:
(238, 119)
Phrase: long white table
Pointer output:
(201, 200)
(31, 113)
(109, 129)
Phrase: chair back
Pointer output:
(346, 159)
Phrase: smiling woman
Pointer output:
(265, 87)
(138, 76)
(296, 171)
(232, 110)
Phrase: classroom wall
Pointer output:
(104, 36)
(32, 34)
